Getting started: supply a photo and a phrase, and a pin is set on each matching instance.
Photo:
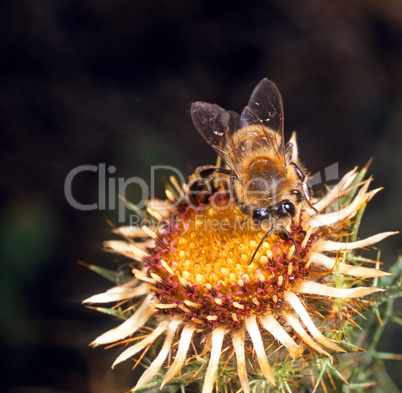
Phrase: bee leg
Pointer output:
(293, 241)
(238, 201)
(207, 171)
(289, 148)
(306, 189)
(204, 175)
(244, 221)
(259, 245)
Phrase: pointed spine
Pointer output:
(298, 328)
(217, 340)
(129, 326)
(314, 288)
(155, 366)
(297, 305)
(119, 293)
(255, 335)
(238, 344)
(327, 246)
(134, 349)
(272, 325)
(185, 340)
(344, 268)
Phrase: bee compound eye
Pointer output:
(289, 208)
(286, 208)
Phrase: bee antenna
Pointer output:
(261, 241)
(294, 243)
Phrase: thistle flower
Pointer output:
(198, 290)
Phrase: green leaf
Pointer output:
(110, 275)
(356, 225)
(116, 312)
(347, 346)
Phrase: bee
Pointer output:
(267, 180)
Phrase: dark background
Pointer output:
(92, 81)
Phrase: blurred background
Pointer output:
(85, 82)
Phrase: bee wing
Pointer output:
(217, 126)
(265, 108)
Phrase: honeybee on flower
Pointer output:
(266, 178)
(198, 290)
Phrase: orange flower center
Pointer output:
(206, 274)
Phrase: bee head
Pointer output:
(282, 209)
(261, 214)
